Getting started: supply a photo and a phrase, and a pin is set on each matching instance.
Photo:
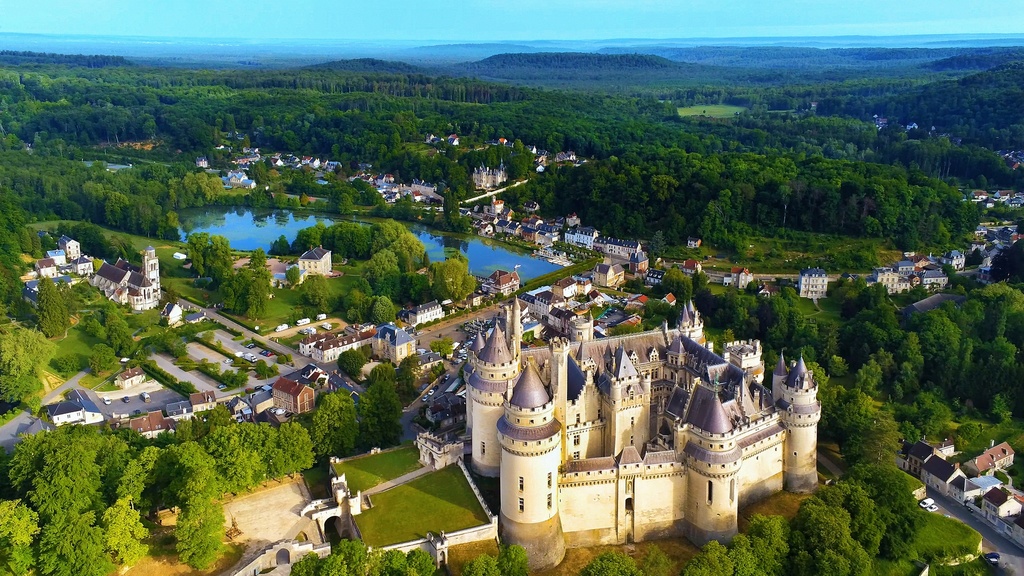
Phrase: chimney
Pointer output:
(956, 465)
(992, 443)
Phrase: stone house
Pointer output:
(292, 396)
(609, 275)
(316, 261)
(813, 283)
(392, 343)
(129, 378)
(998, 457)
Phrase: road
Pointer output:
(491, 193)
(1012, 557)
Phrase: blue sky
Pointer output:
(486, 20)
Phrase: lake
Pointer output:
(247, 229)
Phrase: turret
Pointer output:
(531, 439)
(691, 324)
(489, 377)
(797, 401)
(713, 460)
(517, 329)
(151, 266)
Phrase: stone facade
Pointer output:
(316, 261)
(636, 437)
(131, 285)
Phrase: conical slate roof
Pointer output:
(684, 317)
(478, 344)
(495, 350)
(707, 413)
(780, 368)
(623, 365)
(529, 391)
(798, 376)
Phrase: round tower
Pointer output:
(713, 463)
(582, 329)
(531, 454)
(493, 369)
(691, 324)
(797, 399)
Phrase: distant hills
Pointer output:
(370, 65)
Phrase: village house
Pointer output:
(638, 263)
(31, 290)
(531, 206)
(617, 247)
(327, 347)
(997, 457)
(912, 457)
(692, 242)
(202, 401)
(933, 279)
(739, 277)
(565, 288)
(501, 282)
(172, 313)
(57, 256)
(392, 343)
(152, 424)
(997, 504)
(654, 277)
(572, 220)
(894, 282)
(691, 267)
(238, 179)
(46, 268)
(72, 249)
(446, 410)
(181, 410)
(76, 408)
(316, 261)
(609, 275)
(583, 236)
(813, 283)
(937, 473)
(202, 162)
(129, 378)
(423, 313)
(955, 258)
(261, 401)
(82, 266)
(292, 396)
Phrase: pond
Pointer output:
(247, 229)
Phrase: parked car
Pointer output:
(933, 508)
(227, 360)
(250, 345)
(432, 390)
(136, 412)
(221, 386)
(266, 353)
(106, 401)
(926, 503)
(992, 558)
(126, 399)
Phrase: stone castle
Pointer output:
(633, 437)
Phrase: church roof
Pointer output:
(529, 392)
(495, 350)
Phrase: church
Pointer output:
(131, 285)
(634, 437)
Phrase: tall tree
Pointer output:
(451, 279)
(335, 426)
(380, 413)
(125, 532)
(54, 316)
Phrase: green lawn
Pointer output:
(1011, 431)
(398, 515)
(368, 471)
(712, 110)
(78, 344)
(938, 539)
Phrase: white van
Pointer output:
(281, 328)
(320, 317)
(302, 322)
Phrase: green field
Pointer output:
(712, 110)
(939, 539)
(366, 472)
(441, 500)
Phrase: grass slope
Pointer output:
(441, 500)
(369, 471)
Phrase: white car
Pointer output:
(926, 503)
(933, 508)
(106, 401)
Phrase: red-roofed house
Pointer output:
(292, 396)
(995, 458)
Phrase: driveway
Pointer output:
(1012, 556)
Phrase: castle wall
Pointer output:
(486, 410)
(659, 503)
(588, 505)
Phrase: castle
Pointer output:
(131, 285)
(633, 437)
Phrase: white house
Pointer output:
(172, 312)
(582, 236)
(813, 283)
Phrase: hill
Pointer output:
(21, 58)
(369, 65)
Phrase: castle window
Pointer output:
(576, 441)
(711, 494)
(549, 479)
(520, 483)
(483, 448)
(632, 422)
(732, 489)
(522, 505)
(549, 501)
(575, 455)
(577, 418)
(532, 421)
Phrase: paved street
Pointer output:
(1012, 556)
(202, 382)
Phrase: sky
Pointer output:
(455, 21)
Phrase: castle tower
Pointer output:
(531, 454)
(691, 324)
(151, 267)
(582, 328)
(492, 371)
(627, 402)
(559, 383)
(797, 400)
(713, 460)
(517, 329)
